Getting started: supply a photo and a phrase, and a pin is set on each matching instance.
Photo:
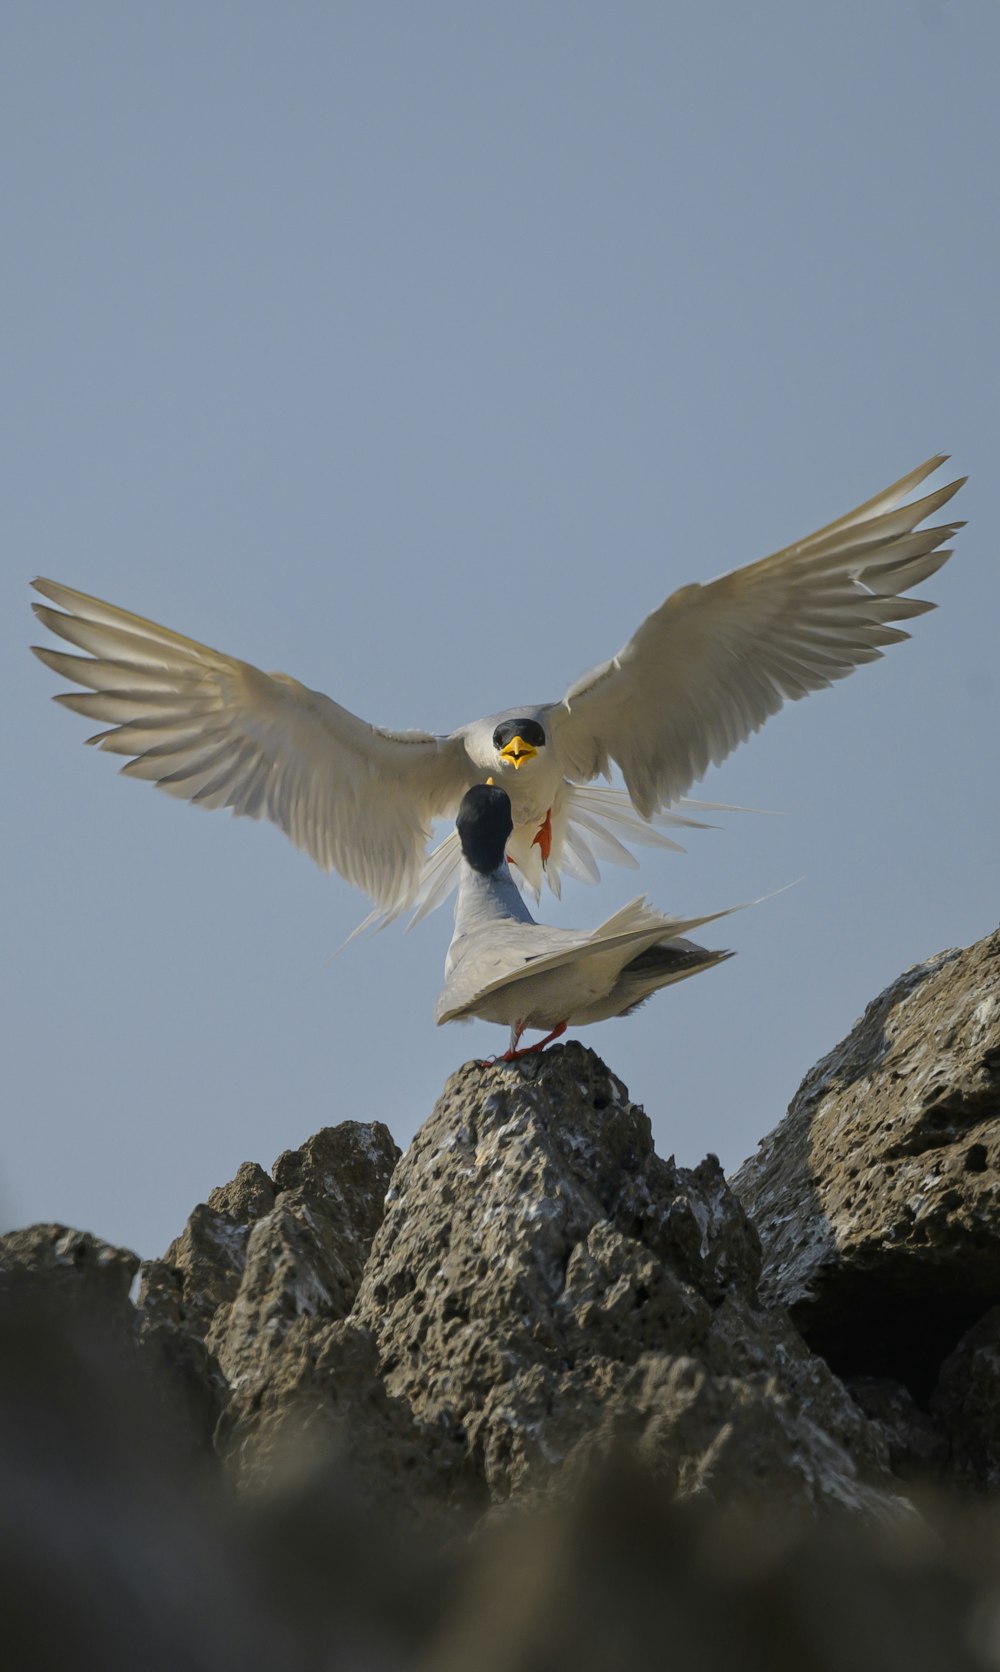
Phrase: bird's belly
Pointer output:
(531, 801)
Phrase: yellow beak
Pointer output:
(517, 751)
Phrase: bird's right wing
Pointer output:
(219, 732)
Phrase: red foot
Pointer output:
(543, 839)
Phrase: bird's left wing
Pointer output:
(219, 732)
(709, 666)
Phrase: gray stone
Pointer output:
(77, 1267)
(545, 1281)
(916, 1448)
(877, 1199)
(304, 1258)
(966, 1404)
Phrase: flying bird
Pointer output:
(701, 673)
(504, 967)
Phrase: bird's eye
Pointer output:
(529, 730)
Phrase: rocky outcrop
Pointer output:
(660, 1400)
(877, 1199)
(547, 1285)
(257, 1291)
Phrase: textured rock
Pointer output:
(78, 1270)
(966, 1405)
(533, 1323)
(544, 1280)
(263, 1254)
(917, 1448)
(264, 1251)
(321, 1405)
(877, 1199)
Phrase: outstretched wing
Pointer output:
(219, 732)
(709, 666)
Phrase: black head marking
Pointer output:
(530, 730)
(484, 824)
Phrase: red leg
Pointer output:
(532, 1050)
(513, 1053)
(543, 839)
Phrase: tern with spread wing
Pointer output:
(504, 967)
(702, 673)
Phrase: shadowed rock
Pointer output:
(534, 1326)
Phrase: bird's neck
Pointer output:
(487, 899)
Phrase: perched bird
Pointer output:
(502, 966)
(702, 673)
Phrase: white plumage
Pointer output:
(702, 673)
(504, 967)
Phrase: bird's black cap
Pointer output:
(530, 730)
(484, 824)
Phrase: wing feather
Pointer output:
(507, 956)
(217, 731)
(708, 667)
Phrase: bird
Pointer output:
(504, 967)
(701, 673)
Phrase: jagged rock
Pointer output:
(247, 1197)
(78, 1270)
(548, 1314)
(119, 1550)
(320, 1405)
(966, 1403)
(305, 1257)
(877, 1199)
(263, 1252)
(917, 1450)
(67, 1282)
(545, 1280)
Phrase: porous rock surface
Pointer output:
(548, 1285)
(674, 1412)
(877, 1198)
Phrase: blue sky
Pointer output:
(420, 352)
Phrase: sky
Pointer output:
(420, 351)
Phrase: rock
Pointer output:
(247, 1197)
(917, 1450)
(629, 1577)
(320, 1406)
(78, 1271)
(258, 1255)
(533, 1325)
(877, 1199)
(121, 1551)
(966, 1404)
(545, 1281)
(70, 1285)
(304, 1258)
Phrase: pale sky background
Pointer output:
(420, 351)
